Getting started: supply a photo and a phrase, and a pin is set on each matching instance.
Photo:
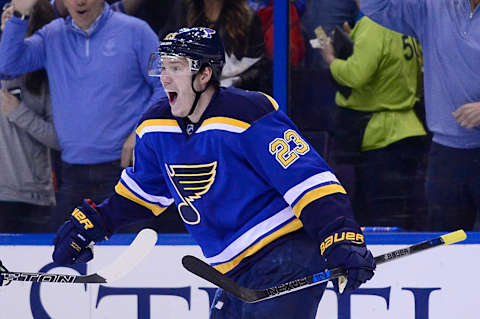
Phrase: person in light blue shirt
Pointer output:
(124, 6)
(96, 60)
(448, 32)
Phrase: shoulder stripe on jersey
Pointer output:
(293, 193)
(129, 189)
(158, 125)
(292, 226)
(271, 99)
(224, 124)
(315, 194)
(247, 245)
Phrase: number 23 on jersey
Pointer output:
(289, 148)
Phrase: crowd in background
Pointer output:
(67, 136)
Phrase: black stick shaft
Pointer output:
(57, 278)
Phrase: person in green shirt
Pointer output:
(376, 116)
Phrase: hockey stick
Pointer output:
(248, 295)
(129, 259)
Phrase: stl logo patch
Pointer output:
(191, 182)
(289, 148)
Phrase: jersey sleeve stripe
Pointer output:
(315, 194)
(271, 99)
(141, 194)
(292, 226)
(158, 125)
(293, 193)
(125, 192)
(253, 234)
(225, 124)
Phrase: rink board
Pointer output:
(440, 283)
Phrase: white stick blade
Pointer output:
(131, 257)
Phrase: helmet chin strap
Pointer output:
(197, 95)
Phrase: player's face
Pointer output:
(176, 77)
(84, 12)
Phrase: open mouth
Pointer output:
(82, 12)
(172, 97)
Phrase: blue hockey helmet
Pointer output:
(201, 46)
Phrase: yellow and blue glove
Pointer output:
(343, 245)
(75, 237)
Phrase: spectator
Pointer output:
(96, 62)
(376, 122)
(26, 136)
(256, 5)
(241, 31)
(154, 12)
(124, 6)
(448, 32)
(328, 14)
(296, 40)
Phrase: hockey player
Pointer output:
(262, 204)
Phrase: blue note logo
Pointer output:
(191, 182)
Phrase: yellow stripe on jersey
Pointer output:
(316, 194)
(288, 228)
(223, 123)
(274, 103)
(125, 192)
(161, 125)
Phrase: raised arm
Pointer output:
(17, 54)
(404, 16)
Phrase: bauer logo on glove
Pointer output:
(82, 219)
(350, 237)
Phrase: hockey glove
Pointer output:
(345, 247)
(3, 282)
(74, 238)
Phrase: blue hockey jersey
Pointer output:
(241, 177)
